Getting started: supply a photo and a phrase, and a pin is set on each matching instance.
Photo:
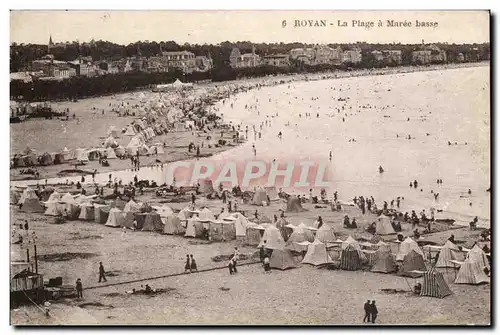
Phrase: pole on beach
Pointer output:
(36, 261)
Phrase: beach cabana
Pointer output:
(282, 260)
(115, 218)
(272, 239)
(406, 246)
(349, 259)
(434, 285)
(173, 226)
(449, 252)
(317, 254)
(471, 273)
(413, 265)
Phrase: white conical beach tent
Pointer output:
(317, 254)
(477, 255)
(384, 226)
(194, 227)
(449, 252)
(471, 273)
(110, 153)
(86, 212)
(325, 234)
(406, 246)
(51, 204)
(130, 131)
(240, 224)
(272, 239)
(115, 218)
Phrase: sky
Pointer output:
(211, 27)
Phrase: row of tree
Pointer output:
(82, 87)
(21, 55)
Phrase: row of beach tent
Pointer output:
(312, 241)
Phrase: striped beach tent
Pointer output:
(448, 253)
(434, 285)
(477, 255)
(471, 273)
(350, 260)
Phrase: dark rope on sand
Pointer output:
(166, 276)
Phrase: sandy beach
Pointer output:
(292, 296)
(372, 109)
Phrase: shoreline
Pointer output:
(240, 83)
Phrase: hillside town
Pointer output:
(50, 68)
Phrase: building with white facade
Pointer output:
(351, 56)
(184, 60)
(280, 60)
(238, 60)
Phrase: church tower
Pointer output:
(51, 44)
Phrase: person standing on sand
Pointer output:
(267, 265)
(79, 288)
(367, 311)
(194, 268)
(262, 252)
(233, 262)
(373, 311)
(102, 273)
(187, 267)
